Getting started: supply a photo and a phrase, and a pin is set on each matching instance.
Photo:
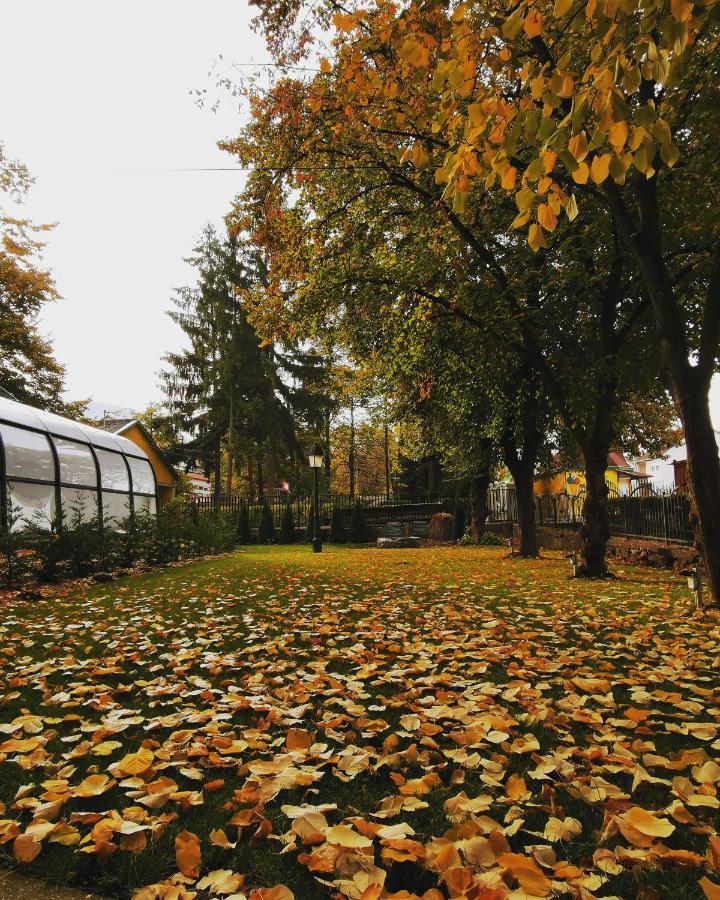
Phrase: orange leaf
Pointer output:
(187, 853)
(533, 23)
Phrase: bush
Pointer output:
(266, 525)
(358, 524)
(310, 526)
(491, 539)
(458, 521)
(287, 526)
(15, 562)
(338, 534)
(243, 524)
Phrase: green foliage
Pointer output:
(358, 524)
(338, 534)
(14, 562)
(266, 526)
(243, 525)
(459, 520)
(287, 526)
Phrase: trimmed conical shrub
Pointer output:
(459, 520)
(266, 525)
(338, 534)
(358, 524)
(243, 525)
(287, 526)
(310, 527)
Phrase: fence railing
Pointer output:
(657, 515)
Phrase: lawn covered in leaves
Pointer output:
(364, 724)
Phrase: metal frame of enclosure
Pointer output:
(52, 467)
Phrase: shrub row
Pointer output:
(267, 533)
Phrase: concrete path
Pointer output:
(14, 886)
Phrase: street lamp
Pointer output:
(315, 458)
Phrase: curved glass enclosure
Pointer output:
(55, 471)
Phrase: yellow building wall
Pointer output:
(163, 474)
(557, 482)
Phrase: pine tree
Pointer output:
(459, 518)
(266, 526)
(338, 534)
(243, 525)
(358, 524)
(287, 526)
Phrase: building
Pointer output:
(134, 430)
(53, 470)
(200, 485)
(669, 470)
(620, 475)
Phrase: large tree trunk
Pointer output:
(523, 476)
(595, 529)
(217, 480)
(478, 503)
(386, 448)
(703, 481)
(351, 455)
(328, 456)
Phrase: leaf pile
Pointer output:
(436, 723)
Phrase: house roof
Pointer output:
(120, 426)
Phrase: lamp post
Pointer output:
(315, 457)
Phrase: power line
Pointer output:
(256, 169)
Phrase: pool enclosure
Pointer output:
(53, 470)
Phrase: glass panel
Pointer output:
(32, 504)
(142, 476)
(27, 454)
(77, 465)
(78, 505)
(58, 425)
(113, 472)
(144, 504)
(100, 438)
(19, 413)
(116, 508)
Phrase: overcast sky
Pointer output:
(91, 89)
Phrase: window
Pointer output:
(78, 505)
(116, 508)
(27, 454)
(77, 465)
(113, 471)
(31, 504)
(143, 481)
(144, 504)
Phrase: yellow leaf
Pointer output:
(527, 872)
(709, 888)
(571, 209)
(26, 848)
(324, 66)
(618, 134)
(548, 220)
(415, 53)
(536, 238)
(562, 8)
(600, 168)
(187, 853)
(93, 786)
(136, 763)
(580, 175)
(681, 10)
(578, 146)
(646, 823)
(509, 178)
(533, 23)
(344, 836)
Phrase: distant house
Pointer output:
(200, 485)
(134, 430)
(620, 475)
(670, 470)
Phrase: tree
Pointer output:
(338, 534)
(565, 109)
(458, 528)
(243, 524)
(266, 526)
(287, 526)
(358, 524)
(372, 196)
(28, 370)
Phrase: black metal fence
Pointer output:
(652, 514)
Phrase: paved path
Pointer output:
(14, 886)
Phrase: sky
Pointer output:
(92, 91)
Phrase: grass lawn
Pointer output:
(364, 724)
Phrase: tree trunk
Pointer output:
(328, 457)
(260, 480)
(230, 448)
(217, 480)
(703, 480)
(251, 476)
(351, 455)
(386, 447)
(525, 497)
(479, 486)
(595, 529)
